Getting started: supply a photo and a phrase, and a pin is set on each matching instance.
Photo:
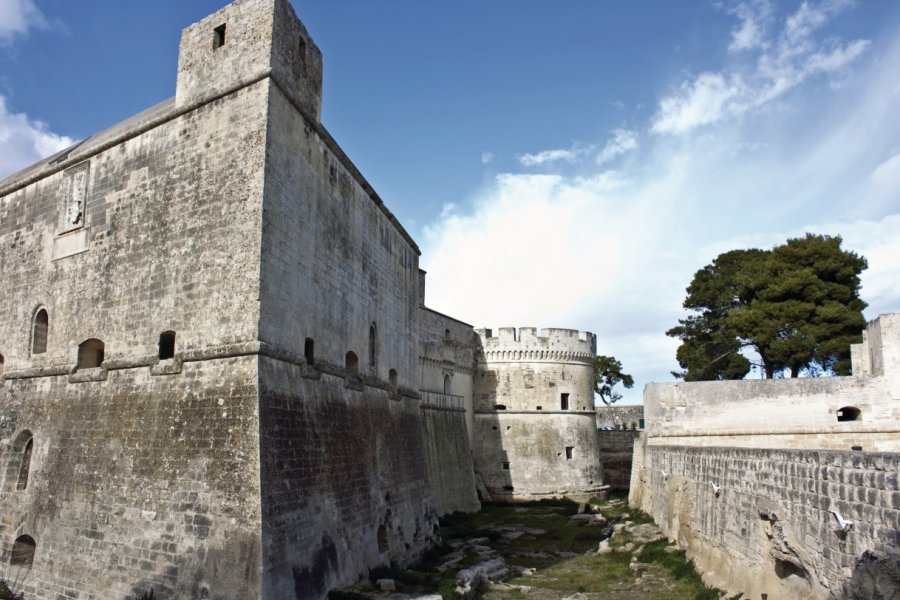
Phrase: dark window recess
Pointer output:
(25, 466)
(505, 466)
(507, 488)
(849, 413)
(446, 384)
(2, 364)
(373, 345)
(564, 401)
(494, 427)
(351, 364)
(447, 334)
(499, 407)
(90, 354)
(569, 451)
(309, 351)
(392, 378)
(301, 53)
(22, 551)
(540, 408)
(219, 36)
(382, 540)
(166, 345)
(39, 332)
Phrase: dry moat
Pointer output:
(544, 551)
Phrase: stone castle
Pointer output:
(219, 378)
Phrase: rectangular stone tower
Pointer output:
(208, 342)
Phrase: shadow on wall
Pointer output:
(875, 577)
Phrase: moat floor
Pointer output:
(544, 551)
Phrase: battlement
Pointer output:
(531, 343)
(243, 43)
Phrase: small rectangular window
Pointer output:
(219, 36)
(506, 466)
(564, 401)
(569, 451)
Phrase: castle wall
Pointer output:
(535, 432)
(770, 532)
(448, 457)
(620, 416)
(338, 462)
(137, 481)
(616, 450)
(333, 261)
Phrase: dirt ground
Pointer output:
(544, 551)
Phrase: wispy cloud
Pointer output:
(785, 58)
(622, 141)
(17, 17)
(573, 154)
(24, 141)
(487, 157)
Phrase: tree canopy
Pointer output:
(797, 306)
(607, 374)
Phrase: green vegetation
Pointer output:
(550, 555)
(607, 374)
(797, 307)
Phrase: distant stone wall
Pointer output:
(448, 457)
(616, 449)
(622, 416)
(768, 531)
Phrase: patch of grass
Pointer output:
(687, 581)
(585, 572)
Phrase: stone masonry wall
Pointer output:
(622, 416)
(448, 456)
(616, 450)
(135, 482)
(339, 463)
(768, 531)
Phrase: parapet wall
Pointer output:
(760, 521)
(527, 344)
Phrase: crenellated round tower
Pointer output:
(535, 432)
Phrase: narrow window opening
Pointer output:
(446, 384)
(508, 427)
(2, 364)
(569, 451)
(39, 332)
(351, 364)
(166, 345)
(25, 466)
(849, 413)
(382, 539)
(564, 401)
(392, 378)
(90, 354)
(507, 488)
(505, 466)
(23, 551)
(499, 407)
(301, 53)
(373, 345)
(219, 36)
(494, 427)
(447, 334)
(309, 351)
(540, 408)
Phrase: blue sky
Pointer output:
(562, 164)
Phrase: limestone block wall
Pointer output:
(768, 531)
(447, 359)
(448, 456)
(134, 482)
(336, 267)
(616, 452)
(344, 480)
(621, 416)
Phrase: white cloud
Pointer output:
(575, 153)
(487, 157)
(784, 61)
(887, 174)
(24, 141)
(751, 33)
(17, 17)
(623, 140)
